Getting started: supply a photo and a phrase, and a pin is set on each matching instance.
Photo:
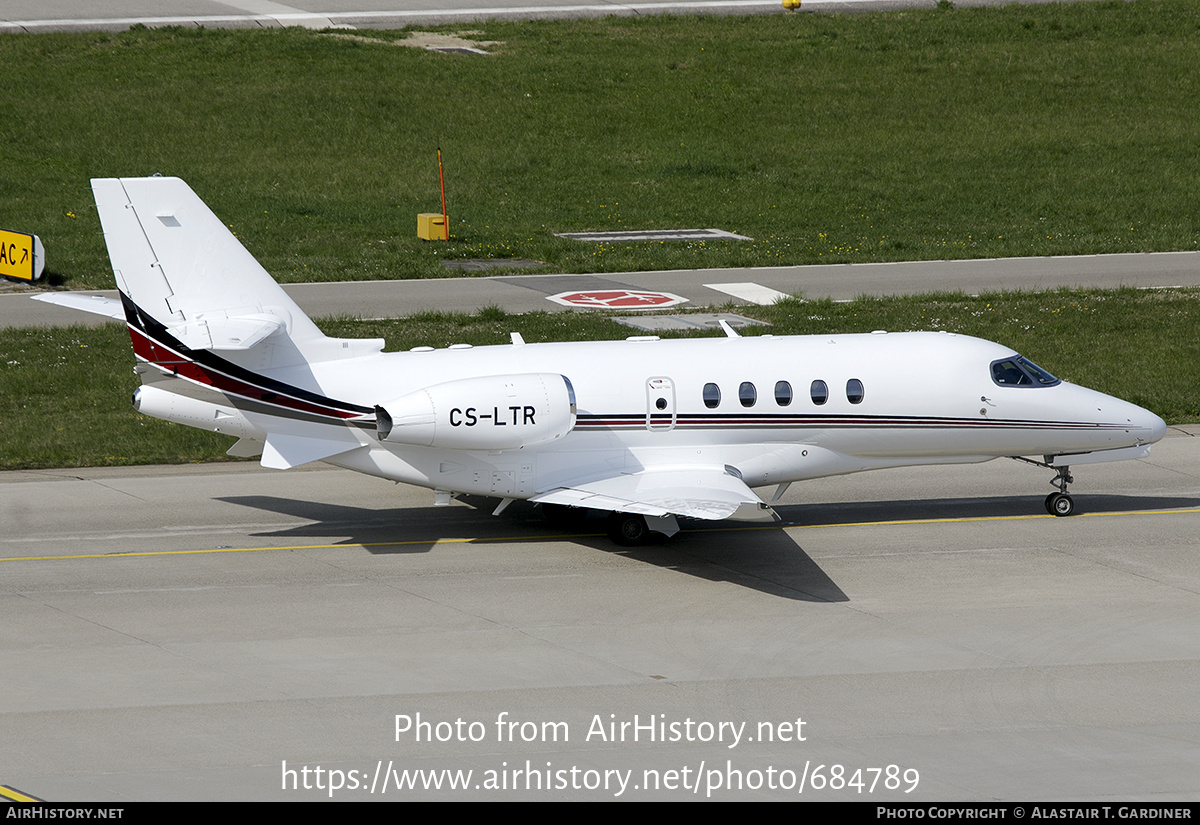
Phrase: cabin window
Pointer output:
(1021, 372)
(854, 391)
(747, 394)
(712, 396)
(783, 393)
(819, 392)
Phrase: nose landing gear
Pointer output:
(1057, 504)
(1060, 504)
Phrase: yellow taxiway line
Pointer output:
(13, 795)
(435, 542)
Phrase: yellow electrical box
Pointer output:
(431, 226)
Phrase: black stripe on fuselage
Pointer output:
(216, 366)
(708, 421)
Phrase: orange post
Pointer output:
(442, 179)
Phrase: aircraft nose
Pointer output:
(1146, 426)
(1157, 427)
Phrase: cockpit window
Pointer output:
(1040, 376)
(1021, 372)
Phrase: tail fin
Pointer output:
(175, 262)
(225, 348)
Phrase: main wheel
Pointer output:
(628, 529)
(1061, 504)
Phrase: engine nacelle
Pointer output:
(496, 412)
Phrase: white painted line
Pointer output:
(339, 19)
(754, 293)
(656, 235)
(264, 7)
(307, 21)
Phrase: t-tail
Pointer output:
(220, 345)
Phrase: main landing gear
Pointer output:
(633, 530)
(624, 529)
(1057, 504)
(628, 529)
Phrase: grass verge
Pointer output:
(941, 133)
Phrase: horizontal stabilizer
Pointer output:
(282, 452)
(697, 492)
(220, 332)
(95, 304)
(226, 333)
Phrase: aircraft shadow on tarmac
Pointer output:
(763, 559)
(878, 512)
(766, 560)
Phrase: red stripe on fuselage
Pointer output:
(150, 350)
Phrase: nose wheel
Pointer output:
(1057, 504)
(1060, 504)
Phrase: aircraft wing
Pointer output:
(695, 492)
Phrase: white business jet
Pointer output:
(643, 429)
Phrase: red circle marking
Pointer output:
(617, 299)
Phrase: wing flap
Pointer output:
(697, 492)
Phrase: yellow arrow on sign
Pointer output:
(21, 255)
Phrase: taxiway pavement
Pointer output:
(183, 632)
(527, 293)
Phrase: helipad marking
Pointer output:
(656, 235)
(617, 299)
(751, 292)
